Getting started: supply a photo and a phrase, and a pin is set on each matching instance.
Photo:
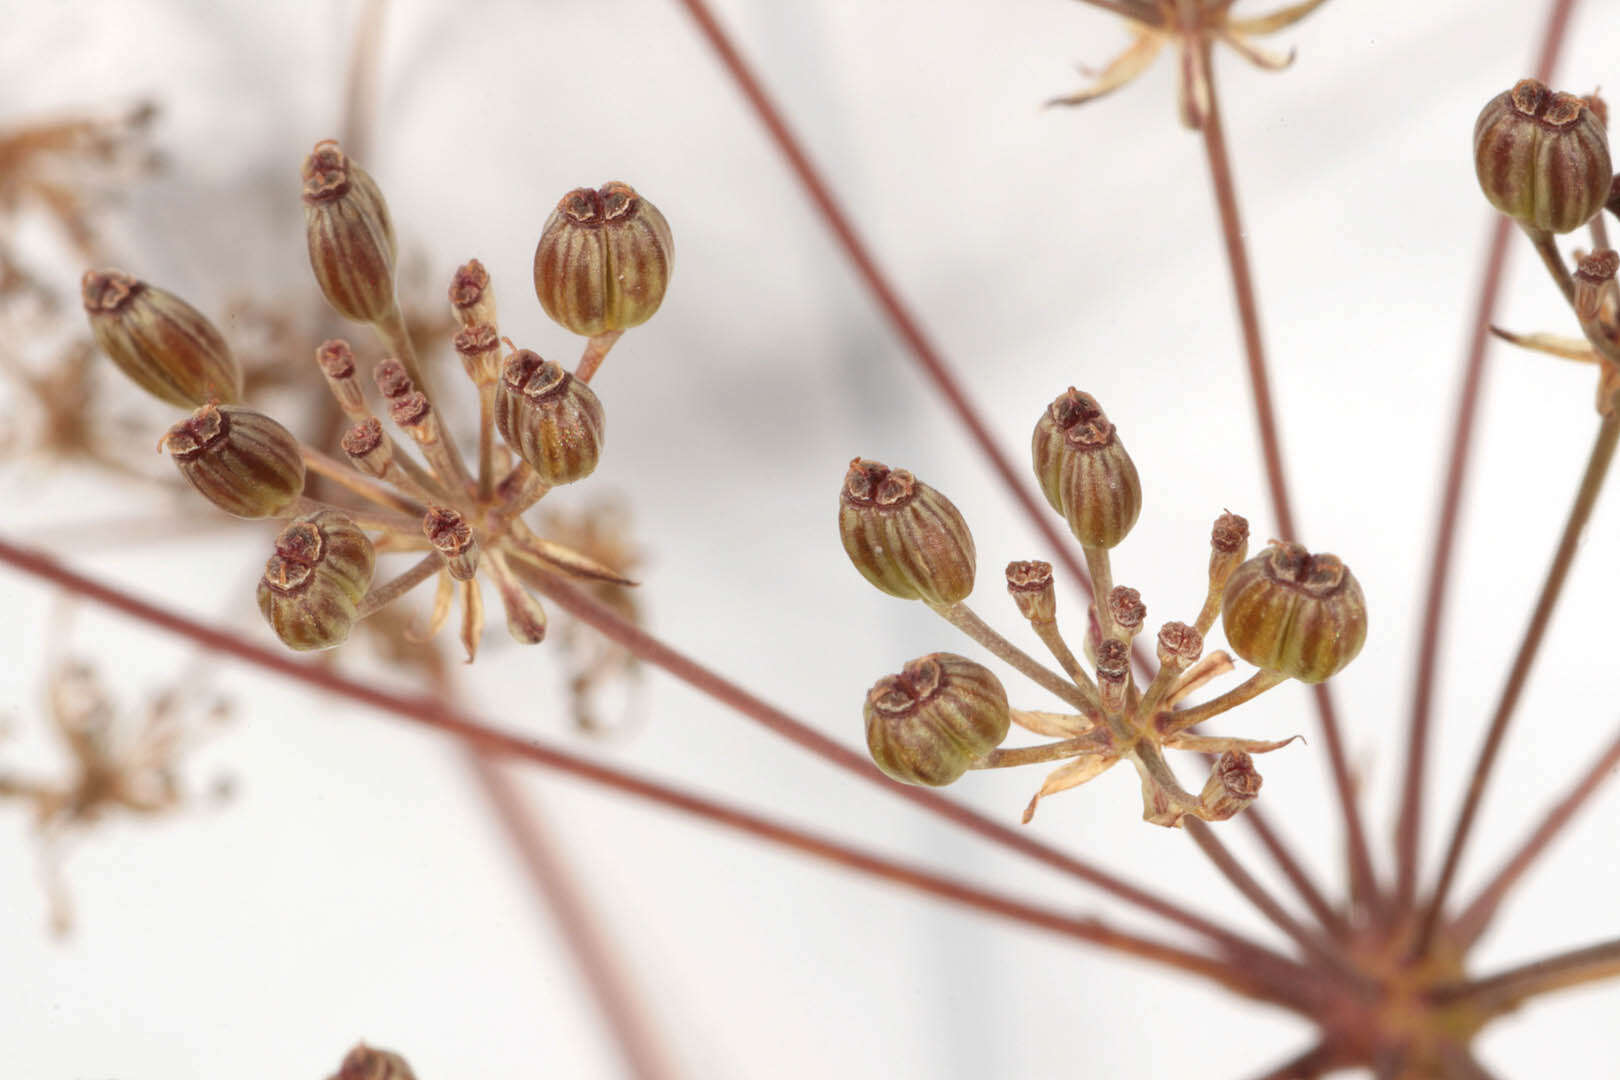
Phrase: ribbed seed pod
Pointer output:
(942, 713)
(1030, 586)
(161, 342)
(312, 586)
(368, 1063)
(903, 536)
(604, 260)
(1233, 785)
(242, 461)
(1542, 157)
(1289, 611)
(553, 420)
(1084, 470)
(352, 248)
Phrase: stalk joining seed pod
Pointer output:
(1542, 157)
(352, 248)
(932, 721)
(604, 260)
(240, 460)
(903, 536)
(1030, 585)
(165, 345)
(1292, 612)
(1084, 470)
(312, 586)
(553, 420)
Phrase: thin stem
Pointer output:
(1247, 690)
(1332, 921)
(1503, 992)
(1313, 1063)
(486, 442)
(1102, 577)
(1546, 245)
(1012, 756)
(364, 517)
(1237, 257)
(362, 485)
(396, 339)
(1053, 640)
(964, 619)
(1597, 468)
(1134, 10)
(381, 596)
(596, 350)
(1477, 915)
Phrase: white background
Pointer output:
(358, 888)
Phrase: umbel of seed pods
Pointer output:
(602, 266)
(1292, 614)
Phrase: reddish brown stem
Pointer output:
(584, 937)
(1408, 830)
(1313, 1063)
(1506, 991)
(1364, 881)
(1332, 921)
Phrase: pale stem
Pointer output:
(345, 475)
(1102, 584)
(486, 442)
(1599, 229)
(442, 454)
(1153, 697)
(1597, 468)
(1506, 991)
(1053, 640)
(403, 472)
(1248, 690)
(596, 350)
(396, 341)
(1546, 245)
(380, 596)
(963, 618)
(1009, 757)
(366, 519)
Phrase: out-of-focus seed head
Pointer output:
(352, 248)
(240, 460)
(1289, 611)
(1030, 585)
(903, 536)
(1542, 157)
(471, 297)
(929, 723)
(604, 260)
(369, 1063)
(551, 419)
(161, 342)
(312, 586)
(453, 538)
(1084, 470)
(1233, 785)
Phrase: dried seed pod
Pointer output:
(453, 538)
(312, 586)
(604, 260)
(553, 420)
(165, 345)
(368, 1063)
(929, 723)
(1292, 612)
(1234, 783)
(1542, 157)
(903, 536)
(350, 235)
(1030, 585)
(471, 298)
(242, 461)
(1084, 470)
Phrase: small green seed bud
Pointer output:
(312, 586)
(1542, 157)
(453, 538)
(242, 461)
(903, 536)
(471, 297)
(1084, 470)
(1233, 785)
(604, 260)
(1030, 585)
(1292, 612)
(352, 248)
(553, 420)
(161, 342)
(932, 721)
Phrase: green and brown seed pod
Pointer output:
(350, 235)
(1542, 157)
(1289, 611)
(242, 461)
(932, 721)
(312, 586)
(604, 260)
(903, 536)
(551, 419)
(1084, 470)
(165, 345)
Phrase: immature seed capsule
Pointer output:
(242, 461)
(903, 536)
(942, 713)
(553, 420)
(604, 260)
(1289, 611)
(350, 235)
(1542, 157)
(453, 538)
(163, 343)
(1233, 785)
(1084, 470)
(312, 586)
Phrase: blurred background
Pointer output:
(355, 884)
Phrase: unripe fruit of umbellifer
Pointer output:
(1542, 157)
(242, 461)
(1289, 611)
(903, 536)
(929, 723)
(312, 586)
(161, 342)
(1084, 470)
(352, 248)
(604, 260)
(553, 420)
